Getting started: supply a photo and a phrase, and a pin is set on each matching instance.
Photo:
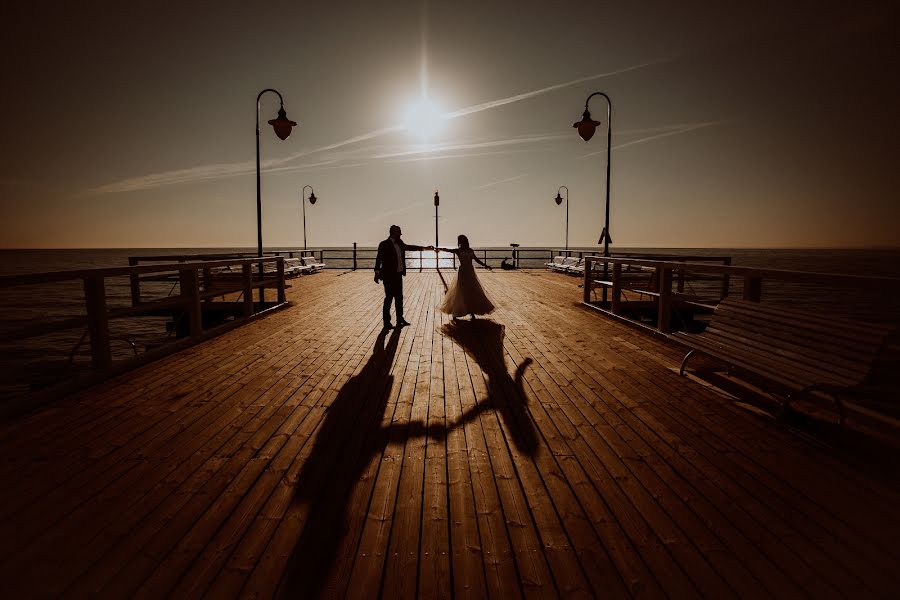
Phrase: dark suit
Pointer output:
(386, 267)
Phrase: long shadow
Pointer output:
(482, 339)
(349, 437)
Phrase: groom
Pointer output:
(390, 268)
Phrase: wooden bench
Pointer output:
(800, 351)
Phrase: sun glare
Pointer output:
(423, 118)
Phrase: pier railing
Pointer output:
(664, 281)
(199, 284)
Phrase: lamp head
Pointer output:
(437, 199)
(558, 199)
(312, 198)
(282, 125)
(586, 126)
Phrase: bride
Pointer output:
(465, 295)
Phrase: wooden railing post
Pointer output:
(420, 261)
(135, 282)
(279, 268)
(726, 280)
(247, 272)
(680, 281)
(617, 288)
(207, 279)
(98, 321)
(354, 256)
(752, 288)
(664, 318)
(190, 291)
(587, 280)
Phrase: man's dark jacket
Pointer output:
(386, 260)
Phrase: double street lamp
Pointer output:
(312, 200)
(559, 200)
(586, 127)
(282, 126)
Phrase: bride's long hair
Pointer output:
(462, 241)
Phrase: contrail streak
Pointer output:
(491, 144)
(526, 95)
(656, 137)
(466, 155)
(217, 171)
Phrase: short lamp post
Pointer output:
(559, 200)
(586, 127)
(282, 126)
(312, 200)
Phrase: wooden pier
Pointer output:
(548, 451)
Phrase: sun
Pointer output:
(423, 118)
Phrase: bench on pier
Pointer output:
(312, 264)
(802, 352)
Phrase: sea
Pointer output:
(38, 361)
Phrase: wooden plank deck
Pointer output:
(547, 451)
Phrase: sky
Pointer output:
(735, 124)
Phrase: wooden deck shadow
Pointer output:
(482, 339)
(351, 434)
(334, 465)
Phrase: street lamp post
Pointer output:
(312, 200)
(437, 203)
(586, 128)
(559, 200)
(282, 126)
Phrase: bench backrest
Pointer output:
(571, 261)
(559, 259)
(798, 344)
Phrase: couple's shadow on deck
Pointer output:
(341, 467)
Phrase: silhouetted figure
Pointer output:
(466, 296)
(483, 341)
(390, 268)
(350, 435)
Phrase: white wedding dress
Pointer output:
(465, 295)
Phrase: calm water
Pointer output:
(59, 354)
